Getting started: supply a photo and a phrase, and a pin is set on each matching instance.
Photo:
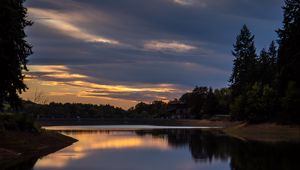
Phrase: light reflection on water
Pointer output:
(125, 149)
(128, 148)
(91, 142)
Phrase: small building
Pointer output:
(178, 110)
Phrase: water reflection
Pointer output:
(91, 141)
(160, 149)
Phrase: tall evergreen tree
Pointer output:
(14, 50)
(273, 53)
(267, 65)
(289, 51)
(264, 67)
(289, 61)
(244, 52)
(210, 104)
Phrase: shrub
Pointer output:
(17, 122)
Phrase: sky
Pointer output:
(121, 52)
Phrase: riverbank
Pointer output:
(266, 132)
(19, 147)
(157, 122)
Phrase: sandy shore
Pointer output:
(19, 147)
(267, 132)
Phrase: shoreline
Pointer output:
(157, 122)
(18, 148)
(264, 132)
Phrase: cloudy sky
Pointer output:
(121, 52)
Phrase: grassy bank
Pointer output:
(266, 132)
(19, 147)
(18, 122)
(22, 141)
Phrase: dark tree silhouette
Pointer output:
(273, 53)
(267, 62)
(289, 40)
(289, 60)
(244, 63)
(244, 73)
(14, 50)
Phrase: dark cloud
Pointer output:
(209, 26)
(135, 96)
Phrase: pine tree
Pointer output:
(264, 65)
(273, 54)
(273, 65)
(289, 62)
(267, 62)
(244, 63)
(289, 51)
(14, 51)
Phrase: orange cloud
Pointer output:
(60, 85)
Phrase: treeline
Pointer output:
(266, 87)
(253, 81)
(71, 110)
(202, 102)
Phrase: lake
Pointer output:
(165, 148)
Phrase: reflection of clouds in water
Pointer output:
(59, 159)
(89, 142)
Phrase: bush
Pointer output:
(290, 104)
(17, 122)
(258, 104)
(237, 108)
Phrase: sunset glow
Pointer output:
(103, 52)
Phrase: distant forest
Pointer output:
(263, 87)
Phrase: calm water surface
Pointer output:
(167, 148)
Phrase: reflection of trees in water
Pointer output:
(244, 155)
(203, 145)
(206, 146)
(261, 156)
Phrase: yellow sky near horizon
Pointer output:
(56, 83)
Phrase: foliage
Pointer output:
(289, 62)
(69, 110)
(260, 103)
(17, 122)
(196, 100)
(156, 109)
(274, 93)
(289, 51)
(290, 103)
(244, 64)
(14, 50)
(206, 102)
